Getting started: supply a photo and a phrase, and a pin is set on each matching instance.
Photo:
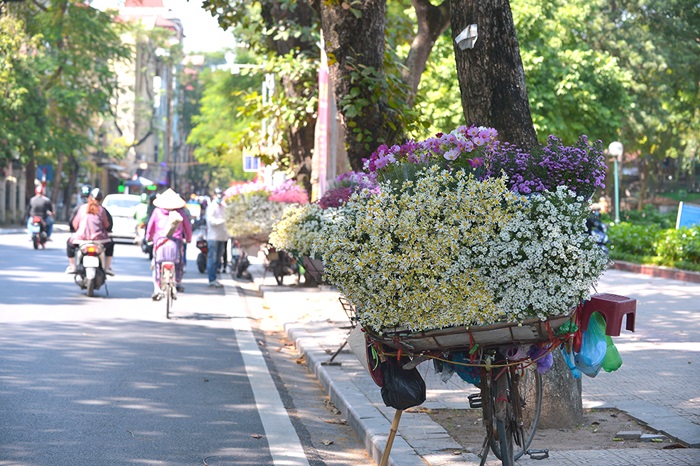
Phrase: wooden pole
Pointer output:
(390, 439)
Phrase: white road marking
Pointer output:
(282, 439)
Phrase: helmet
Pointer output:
(96, 194)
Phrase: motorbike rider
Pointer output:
(91, 222)
(169, 230)
(142, 211)
(41, 206)
(84, 194)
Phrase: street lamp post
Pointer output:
(615, 149)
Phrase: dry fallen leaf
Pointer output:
(341, 422)
(328, 442)
(256, 436)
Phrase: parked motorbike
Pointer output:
(239, 261)
(37, 230)
(281, 264)
(202, 256)
(598, 230)
(89, 269)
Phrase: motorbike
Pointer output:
(146, 246)
(202, 256)
(598, 230)
(281, 264)
(239, 262)
(89, 269)
(37, 230)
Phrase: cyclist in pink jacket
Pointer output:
(169, 229)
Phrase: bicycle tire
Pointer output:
(168, 300)
(166, 283)
(522, 412)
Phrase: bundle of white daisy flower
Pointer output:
(446, 249)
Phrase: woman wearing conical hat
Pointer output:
(169, 230)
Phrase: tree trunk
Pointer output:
(69, 187)
(30, 172)
(300, 138)
(355, 47)
(643, 182)
(432, 22)
(57, 180)
(491, 76)
(562, 407)
(492, 84)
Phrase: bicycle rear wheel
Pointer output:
(512, 434)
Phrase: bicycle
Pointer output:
(510, 387)
(511, 403)
(167, 285)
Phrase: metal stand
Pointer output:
(350, 312)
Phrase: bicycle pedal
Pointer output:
(475, 400)
(538, 454)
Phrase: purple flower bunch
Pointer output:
(459, 148)
(289, 192)
(346, 185)
(581, 166)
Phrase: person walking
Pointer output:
(169, 230)
(216, 235)
(41, 206)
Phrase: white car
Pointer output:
(122, 207)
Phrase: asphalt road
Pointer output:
(109, 380)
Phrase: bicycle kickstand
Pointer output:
(337, 352)
(484, 451)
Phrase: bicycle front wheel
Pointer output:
(515, 429)
(168, 300)
(166, 286)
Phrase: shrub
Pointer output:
(674, 246)
(649, 215)
(630, 238)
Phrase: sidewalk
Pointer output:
(314, 319)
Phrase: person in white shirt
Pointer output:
(216, 235)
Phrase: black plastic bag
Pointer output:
(402, 389)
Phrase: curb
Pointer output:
(368, 422)
(658, 271)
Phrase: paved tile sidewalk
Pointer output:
(315, 321)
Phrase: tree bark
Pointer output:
(300, 139)
(355, 43)
(491, 76)
(492, 84)
(432, 21)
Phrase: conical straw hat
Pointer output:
(169, 200)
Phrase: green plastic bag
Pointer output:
(612, 360)
(593, 347)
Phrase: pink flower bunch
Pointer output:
(290, 193)
(346, 185)
(245, 188)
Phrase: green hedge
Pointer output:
(651, 243)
